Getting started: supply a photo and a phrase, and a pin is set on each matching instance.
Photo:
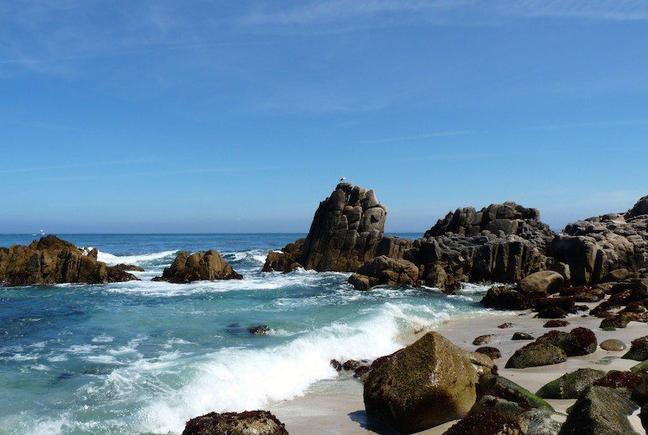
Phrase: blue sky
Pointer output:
(196, 116)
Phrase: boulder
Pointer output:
(235, 423)
(533, 421)
(423, 385)
(482, 339)
(387, 271)
(544, 282)
(128, 267)
(584, 294)
(522, 336)
(502, 388)
(556, 323)
(486, 423)
(612, 345)
(199, 266)
(638, 349)
(51, 260)
(600, 411)
(492, 352)
(579, 341)
(259, 330)
(536, 354)
(505, 298)
(570, 385)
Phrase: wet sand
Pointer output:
(336, 406)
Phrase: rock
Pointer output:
(482, 363)
(259, 330)
(614, 322)
(235, 423)
(570, 385)
(644, 416)
(346, 230)
(505, 298)
(361, 372)
(51, 260)
(600, 411)
(556, 324)
(383, 270)
(351, 365)
(620, 379)
(534, 421)
(579, 341)
(486, 423)
(337, 365)
(492, 352)
(536, 354)
(128, 268)
(522, 336)
(544, 282)
(286, 260)
(505, 325)
(551, 313)
(482, 339)
(612, 345)
(423, 385)
(584, 294)
(198, 266)
(500, 387)
(638, 349)
(565, 303)
(640, 208)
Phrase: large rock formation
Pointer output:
(599, 246)
(51, 260)
(383, 270)
(345, 233)
(236, 423)
(423, 385)
(199, 266)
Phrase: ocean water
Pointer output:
(144, 357)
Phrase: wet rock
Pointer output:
(199, 266)
(579, 341)
(522, 336)
(556, 323)
(500, 387)
(584, 294)
(614, 322)
(482, 339)
(401, 387)
(570, 385)
(337, 365)
(492, 352)
(565, 303)
(505, 325)
(613, 345)
(600, 411)
(51, 260)
(383, 270)
(534, 421)
(259, 330)
(638, 349)
(506, 298)
(536, 354)
(552, 313)
(235, 423)
(620, 379)
(286, 260)
(128, 268)
(543, 283)
(361, 372)
(486, 423)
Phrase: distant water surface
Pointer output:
(143, 357)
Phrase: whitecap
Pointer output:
(111, 259)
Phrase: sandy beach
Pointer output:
(336, 406)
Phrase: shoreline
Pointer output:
(336, 406)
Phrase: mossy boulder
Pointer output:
(570, 385)
(423, 385)
(500, 387)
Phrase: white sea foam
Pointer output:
(237, 379)
(111, 259)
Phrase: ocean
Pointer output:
(144, 357)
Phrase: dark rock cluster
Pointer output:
(198, 266)
(236, 423)
(51, 260)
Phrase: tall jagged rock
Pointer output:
(346, 231)
(51, 260)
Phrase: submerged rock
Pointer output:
(423, 385)
(235, 423)
(259, 330)
(51, 260)
(199, 266)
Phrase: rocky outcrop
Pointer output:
(286, 260)
(51, 260)
(345, 233)
(423, 385)
(600, 410)
(235, 423)
(385, 271)
(199, 266)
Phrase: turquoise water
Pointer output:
(143, 357)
